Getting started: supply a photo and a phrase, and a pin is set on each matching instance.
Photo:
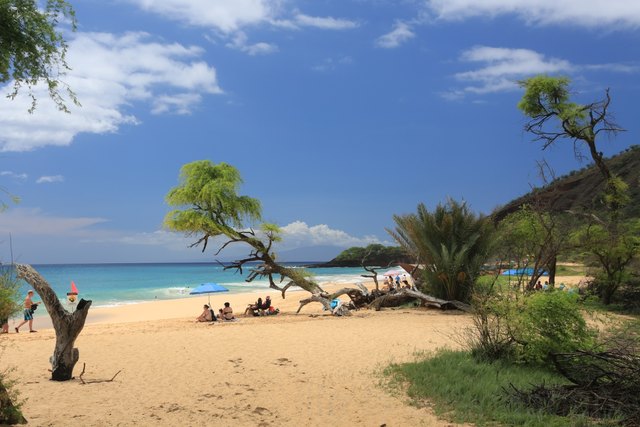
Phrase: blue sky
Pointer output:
(337, 113)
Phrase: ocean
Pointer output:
(117, 284)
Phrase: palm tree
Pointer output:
(451, 242)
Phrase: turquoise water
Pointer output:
(118, 284)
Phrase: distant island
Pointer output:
(372, 255)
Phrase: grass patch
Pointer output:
(573, 270)
(461, 389)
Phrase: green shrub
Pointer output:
(490, 337)
(9, 294)
(550, 322)
(527, 327)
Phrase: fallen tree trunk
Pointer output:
(67, 325)
(394, 299)
(400, 297)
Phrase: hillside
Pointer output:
(580, 189)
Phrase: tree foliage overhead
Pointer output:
(33, 49)
(451, 242)
(547, 103)
(208, 205)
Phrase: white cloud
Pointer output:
(295, 235)
(230, 19)
(239, 42)
(14, 175)
(501, 68)
(50, 179)
(21, 221)
(109, 74)
(588, 13)
(230, 16)
(401, 33)
(299, 234)
(325, 23)
(226, 16)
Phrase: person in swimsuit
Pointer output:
(28, 312)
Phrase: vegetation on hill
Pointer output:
(581, 189)
(374, 254)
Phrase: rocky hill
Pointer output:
(581, 189)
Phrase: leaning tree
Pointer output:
(208, 206)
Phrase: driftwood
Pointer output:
(605, 385)
(67, 325)
(401, 296)
(361, 297)
(84, 365)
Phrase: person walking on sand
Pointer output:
(28, 312)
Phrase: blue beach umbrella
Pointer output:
(208, 288)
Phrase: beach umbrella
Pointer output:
(208, 288)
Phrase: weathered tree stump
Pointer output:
(67, 325)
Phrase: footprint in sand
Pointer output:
(236, 362)
(283, 361)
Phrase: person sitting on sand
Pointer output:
(253, 308)
(207, 315)
(227, 312)
(267, 303)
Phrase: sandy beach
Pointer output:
(288, 369)
(285, 370)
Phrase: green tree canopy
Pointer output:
(32, 49)
(9, 294)
(209, 203)
(546, 101)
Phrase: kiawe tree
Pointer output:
(553, 116)
(208, 206)
(32, 48)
